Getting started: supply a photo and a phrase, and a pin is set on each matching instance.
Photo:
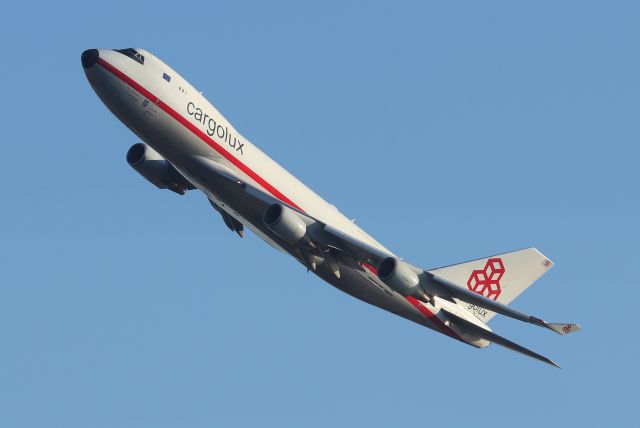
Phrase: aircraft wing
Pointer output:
(347, 249)
(354, 247)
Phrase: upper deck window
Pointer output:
(133, 54)
(166, 77)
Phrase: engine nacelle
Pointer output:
(156, 169)
(285, 222)
(399, 276)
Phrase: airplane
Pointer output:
(188, 145)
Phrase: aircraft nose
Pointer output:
(89, 57)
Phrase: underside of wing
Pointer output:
(316, 241)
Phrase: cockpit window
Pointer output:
(133, 54)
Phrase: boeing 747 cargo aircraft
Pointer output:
(188, 145)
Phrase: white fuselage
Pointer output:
(171, 116)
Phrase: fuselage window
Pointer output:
(133, 54)
(166, 77)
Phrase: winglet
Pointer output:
(560, 328)
(563, 329)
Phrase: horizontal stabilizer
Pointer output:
(499, 340)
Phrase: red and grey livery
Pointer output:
(187, 145)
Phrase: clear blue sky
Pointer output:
(449, 131)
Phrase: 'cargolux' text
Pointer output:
(214, 129)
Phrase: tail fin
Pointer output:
(501, 278)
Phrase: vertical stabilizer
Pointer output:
(501, 278)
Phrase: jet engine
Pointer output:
(156, 169)
(285, 222)
(399, 276)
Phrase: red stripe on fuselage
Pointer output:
(244, 168)
(199, 133)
